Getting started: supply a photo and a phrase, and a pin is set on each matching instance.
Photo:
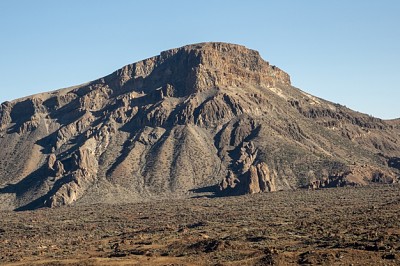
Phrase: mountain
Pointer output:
(209, 117)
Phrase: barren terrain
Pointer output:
(207, 114)
(338, 226)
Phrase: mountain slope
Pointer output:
(195, 118)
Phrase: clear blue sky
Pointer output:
(346, 51)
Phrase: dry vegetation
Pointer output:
(340, 226)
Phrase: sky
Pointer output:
(347, 52)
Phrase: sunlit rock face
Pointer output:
(209, 117)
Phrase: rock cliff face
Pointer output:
(206, 117)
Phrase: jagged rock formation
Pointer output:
(210, 115)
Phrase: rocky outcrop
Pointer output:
(357, 175)
(252, 177)
(55, 167)
(5, 115)
(181, 123)
(266, 178)
(76, 182)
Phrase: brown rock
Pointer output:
(51, 161)
(254, 183)
(266, 178)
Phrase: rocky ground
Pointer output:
(338, 226)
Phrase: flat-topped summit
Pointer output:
(199, 67)
(204, 118)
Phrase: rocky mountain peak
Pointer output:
(210, 118)
(199, 67)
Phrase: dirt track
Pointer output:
(343, 226)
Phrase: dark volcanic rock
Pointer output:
(186, 120)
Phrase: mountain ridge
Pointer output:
(204, 117)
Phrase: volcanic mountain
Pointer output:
(209, 117)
